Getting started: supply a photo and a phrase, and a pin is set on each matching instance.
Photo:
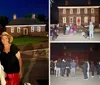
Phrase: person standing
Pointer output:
(92, 67)
(73, 68)
(67, 67)
(91, 30)
(84, 68)
(99, 69)
(63, 67)
(64, 29)
(88, 68)
(11, 60)
(58, 68)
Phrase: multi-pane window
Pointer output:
(71, 11)
(92, 10)
(18, 29)
(12, 29)
(85, 19)
(78, 11)
(70, 19)
(85, 10)
(64, 19)
(32, 28)
(38, 28)
(64, 11)
(93, 19)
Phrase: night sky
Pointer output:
(59, 47)
(23, 7)
(54, 18)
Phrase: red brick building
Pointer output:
(26, 26)
(79, 15)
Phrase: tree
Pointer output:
(41, 17)
(29, 15)
(3, 23)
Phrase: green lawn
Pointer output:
(28, 40)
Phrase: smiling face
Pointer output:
(4, 39)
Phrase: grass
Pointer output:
(24, 40)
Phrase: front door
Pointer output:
(78, 21)
(25, 32)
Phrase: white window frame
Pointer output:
(71, 19)
(92, 10)
(93, 19)
(32, 28)
(64, 11)
(64, 19)
(86, 19)
(78, 10)
(71, 11)
(12, 29)
(38, 28)
(85, 11)
(18, 29)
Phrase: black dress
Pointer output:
(9, 60)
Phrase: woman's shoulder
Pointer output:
(14, 48)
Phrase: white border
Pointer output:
(49, 43)
(68, 7)
(24, 25)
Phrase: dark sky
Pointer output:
(22, 7)
(59, 47)
(71, 2)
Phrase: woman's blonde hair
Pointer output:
(10, 38)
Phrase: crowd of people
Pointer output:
(66, 67)
(72, 30)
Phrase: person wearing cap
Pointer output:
(11, 60)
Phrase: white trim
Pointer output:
(64, 11)
(71, 20)
(38, 29)
(71, 11)
(64, 19)
(12, 29)
(18, 29)
(32, 28)
(61, 7)
(23, 25)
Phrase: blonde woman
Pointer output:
(11, 60)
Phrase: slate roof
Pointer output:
(25, 21)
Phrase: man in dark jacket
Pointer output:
(84, 67)
(67, 67)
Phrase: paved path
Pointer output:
(77, 80)
(77, 37)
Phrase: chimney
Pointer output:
(89, 2)
(66, 2)
(14, 16)
(33, 16)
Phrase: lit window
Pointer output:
(85, 10)
(12, 29)
(32, 28)
(18, 29)
(71, 11)
(64, 11)
(78, 11)
(64, 19)
(70, 19)
(38, 28)
(93, 19)
(92, 10)
(85, 19)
